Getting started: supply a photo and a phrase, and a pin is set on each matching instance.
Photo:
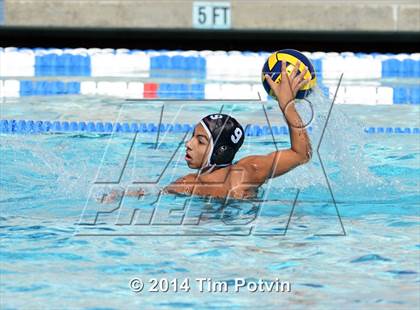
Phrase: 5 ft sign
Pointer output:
(211, 15)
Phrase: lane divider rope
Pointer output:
(33, 127)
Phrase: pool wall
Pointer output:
(313, 15)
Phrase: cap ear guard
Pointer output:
(224, 154)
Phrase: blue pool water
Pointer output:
(55, 253)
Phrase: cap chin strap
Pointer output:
(208, 162)
(212, 168)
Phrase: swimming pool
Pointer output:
(361, 251)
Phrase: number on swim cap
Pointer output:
(216, 116)
(237, 135)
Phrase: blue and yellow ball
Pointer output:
(272, 67)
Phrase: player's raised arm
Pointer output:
(279, 162)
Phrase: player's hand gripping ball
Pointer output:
(272, 67)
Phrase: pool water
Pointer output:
(360, 252)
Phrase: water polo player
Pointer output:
(217, 138)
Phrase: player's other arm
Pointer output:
(114, 195)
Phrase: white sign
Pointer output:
(211, 15)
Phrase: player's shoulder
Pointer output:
(187, 178)
(250, 163)
(254, 168)
(245, 168)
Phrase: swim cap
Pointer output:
(226, 137)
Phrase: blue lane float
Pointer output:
(395, 68)
(181, 91)
(48, 88)
(178, 62)
(33, 127)
(62, 65)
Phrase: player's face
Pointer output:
(197, 148)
